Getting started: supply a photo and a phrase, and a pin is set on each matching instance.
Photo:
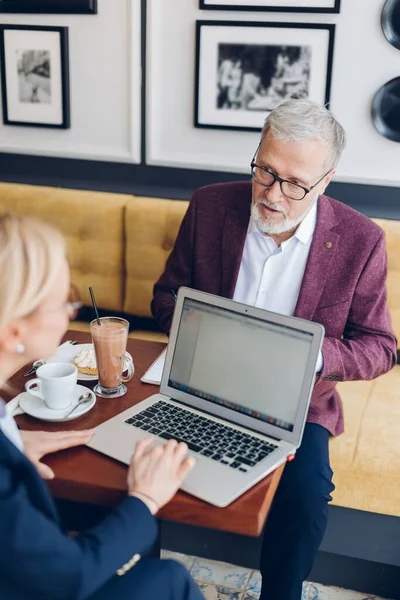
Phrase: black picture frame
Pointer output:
(64, 77)
(83, 7)
(271, 8)
(330, 28)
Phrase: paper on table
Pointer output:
(154, 372)
(13, 408)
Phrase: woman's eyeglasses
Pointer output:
(74, 303)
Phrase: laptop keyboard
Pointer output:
(219, 442)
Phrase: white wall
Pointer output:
(105, 89)
(363, 61)
(105, 81)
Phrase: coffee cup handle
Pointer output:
(34, 383)
(130, 368)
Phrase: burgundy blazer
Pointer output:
(344, 284)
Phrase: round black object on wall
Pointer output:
(391, 22)
(386, 110)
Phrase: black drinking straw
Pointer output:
(94, 305)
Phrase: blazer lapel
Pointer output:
(234, 233)
(324, 245)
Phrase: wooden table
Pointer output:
(85, 476)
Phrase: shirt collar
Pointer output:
(303, 233)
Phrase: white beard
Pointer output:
(271, 228)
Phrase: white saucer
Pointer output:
(68, 353)
(35, 406)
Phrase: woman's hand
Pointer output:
(158, 472)
(39, 443)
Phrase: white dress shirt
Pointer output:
(270, 276)
(9, 427)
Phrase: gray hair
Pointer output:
(300, 120)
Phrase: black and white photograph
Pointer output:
(255, 77)
(34, 76)
(49, 6)
(245, 70)
(305, 6)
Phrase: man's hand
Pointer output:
(39, 443)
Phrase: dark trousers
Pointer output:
(151, 579)
(298, 518)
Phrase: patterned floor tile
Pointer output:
(222, 574)
(222, 581)
(253, 589)
(322, 592)
(216, 592)
(310, 592)
(185, 560)
(254, 585)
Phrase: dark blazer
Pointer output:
(38, 561)
(344, 284)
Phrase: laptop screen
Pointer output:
(243, 363)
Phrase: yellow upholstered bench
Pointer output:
(366, 458)
(119, 245)
(151, 227)
(93, 224)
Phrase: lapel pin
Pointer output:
(328, 244)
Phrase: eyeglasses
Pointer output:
(73, 304)
(73, 309)
(267, 178)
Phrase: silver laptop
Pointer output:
(236, 387)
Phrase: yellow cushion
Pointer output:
(354, 395)
(392, 235)
(80, 326)
(151, 336)
(93, 225)
(366, 458)
(151, 228)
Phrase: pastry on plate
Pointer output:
(85, 361)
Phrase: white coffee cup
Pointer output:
(55, 383)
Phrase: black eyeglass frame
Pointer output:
(281, 181)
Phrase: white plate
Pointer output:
(35, 406)
(67, 354)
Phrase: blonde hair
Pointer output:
(31, 254)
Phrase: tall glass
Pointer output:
(110, 339)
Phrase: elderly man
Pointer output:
(280, 244)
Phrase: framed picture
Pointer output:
(245, 69)
(35, 76)
(49, 6)
(309, 6)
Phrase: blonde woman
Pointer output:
(38, 560)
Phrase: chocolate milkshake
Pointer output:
(110, 339)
